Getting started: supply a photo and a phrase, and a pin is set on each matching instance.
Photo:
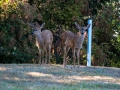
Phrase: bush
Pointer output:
(17, 45)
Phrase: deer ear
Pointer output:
(36, 24)
(87, 26)
(31, 24)
(77, 25)
(43, 25)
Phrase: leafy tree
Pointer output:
(16, 42)
(106, 34)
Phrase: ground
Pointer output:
(55, 77)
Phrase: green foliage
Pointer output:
(14, 56)
(57, 12)
(16, 42)
(106, 34)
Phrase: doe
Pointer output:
(43, 41)
(73, 41)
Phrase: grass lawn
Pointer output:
(55, 77)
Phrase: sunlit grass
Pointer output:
(55, 77)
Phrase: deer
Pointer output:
(73, 41)
(57, 43)
(44, 41)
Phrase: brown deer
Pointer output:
(43, 41)
(73, 41)
(57, 44)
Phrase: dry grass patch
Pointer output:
(55, 77)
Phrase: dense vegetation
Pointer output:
(17, 43)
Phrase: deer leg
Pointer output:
(46, 55)
(67, 49)
(40, 56)
(78, 52)
(49, 53)
(74, 57)
(64, 60)
(43, 56)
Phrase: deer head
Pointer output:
(37, 28)
(82, 29)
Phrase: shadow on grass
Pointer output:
(55, 75)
